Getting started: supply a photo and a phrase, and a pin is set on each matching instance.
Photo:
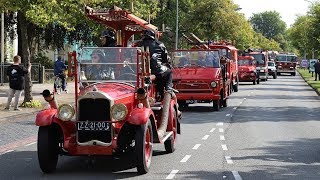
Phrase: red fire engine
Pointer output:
(115, 110)
(286, 63)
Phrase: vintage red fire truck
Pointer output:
(115, 110)
(229, 51)
(247, 70)
(201, 76)
(262, 59)
(286, 63)
(226, 49)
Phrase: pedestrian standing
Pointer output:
(16, 81)
(317, 70)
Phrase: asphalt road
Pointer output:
(269, 131)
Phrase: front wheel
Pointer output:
(144, 147)
(48, 148)
(169, 144)
(254, 82)
(275, 76)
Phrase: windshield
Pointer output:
(270, 63)
(260, 59)
(196, 58)
(246, 62)
(108, 64)
(292, 58)
(281, 58)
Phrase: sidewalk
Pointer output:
(36, 90)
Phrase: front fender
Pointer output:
(45, 117)
(140, 116)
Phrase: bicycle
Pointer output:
(57, 85)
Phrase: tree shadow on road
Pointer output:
(299, 159)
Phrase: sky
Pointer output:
(288, 9)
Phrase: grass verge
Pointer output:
(310, 80)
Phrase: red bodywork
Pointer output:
(262, 59)
(286, 63)
(139, 111)
(247, 69)
(197, 83)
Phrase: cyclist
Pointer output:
(59, 69)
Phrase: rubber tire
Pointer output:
(216, 105)
(274, 76)
(236, 87)
(169, 144)
(293, 74)
(142, 166)
(48, 148)
(254, 82)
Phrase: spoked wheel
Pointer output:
(144, 147)
(169, 144)
(48, 148)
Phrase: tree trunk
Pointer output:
(25, 54)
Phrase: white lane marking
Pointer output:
(235, 108)
(196, 146)
(244, 98)
(222, 138)
(30, 144)
(212, 129)
(240, 102)
(221, 130)
(172, 174)
(205, 137)
(229, 160)
(185, 159)
(251, 92)
(228, 115)
(219, 124)
(236, 175)
(224, 147)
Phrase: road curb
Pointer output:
(309, 84)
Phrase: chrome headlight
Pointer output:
(119, 111)
(213, 84)
(65, 112)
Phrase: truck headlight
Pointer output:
(213, 84)
(65, 112)
(119, 111)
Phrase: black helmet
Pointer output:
(108, 34)
(149, 33)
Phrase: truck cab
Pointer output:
(286, 63)
(262, 60)
(201, 76)
(247, 70)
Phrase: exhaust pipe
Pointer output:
(165, 114)
(49, 98)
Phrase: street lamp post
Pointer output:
(177, 24)
(2, 47)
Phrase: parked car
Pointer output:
(272, 70)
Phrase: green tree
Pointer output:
(268, 23)
(62, 15)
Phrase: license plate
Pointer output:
(93, 126)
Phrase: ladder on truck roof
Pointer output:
(123, 22)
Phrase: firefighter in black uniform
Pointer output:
(159, 63)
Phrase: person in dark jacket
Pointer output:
(108, 39)
(317, 70)
(59, 71)
(16, 81)
(159, 64)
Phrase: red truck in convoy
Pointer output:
(286, 63)
(247, 70)
(115, 110)
(262, 59)
(201, 76)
